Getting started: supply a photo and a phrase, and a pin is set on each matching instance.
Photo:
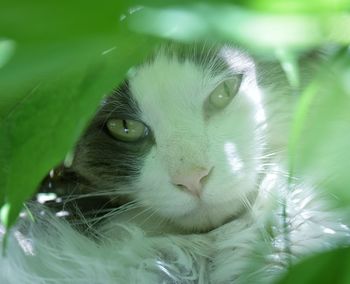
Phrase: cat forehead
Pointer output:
(170, 79)
(185, 78)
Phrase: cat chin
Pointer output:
(191, 214)
(206, 218)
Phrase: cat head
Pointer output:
(183, 137)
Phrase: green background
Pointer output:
(58, 59)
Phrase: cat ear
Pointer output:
(225, 92)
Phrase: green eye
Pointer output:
(225, 92)
(126, 130)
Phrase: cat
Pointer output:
(188, 157)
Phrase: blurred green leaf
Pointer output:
(296, 6)
(6, 51)
(320, 138)
(66, 59)
(330, 267)
(48, 118)
(290, 66)
(264, 31)
(298, 125)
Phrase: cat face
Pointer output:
(182, 138)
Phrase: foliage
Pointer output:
(329, 267)
(58, 59)
(64, 60)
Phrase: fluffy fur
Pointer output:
(247, 224)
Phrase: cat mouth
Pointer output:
(207, 223)
(201, 219)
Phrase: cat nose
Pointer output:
(192, 182)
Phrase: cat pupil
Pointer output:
(125, 125)
(227, 90)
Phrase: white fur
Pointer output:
(172, 97)
(241, 251)
(245, 237)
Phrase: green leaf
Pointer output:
(66, 59)
(293, 6)
(289, 63)
(6, 51)
(227, 22)
(330, 267)
(298, 126)
(319, 142)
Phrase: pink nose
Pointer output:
(191, 181)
